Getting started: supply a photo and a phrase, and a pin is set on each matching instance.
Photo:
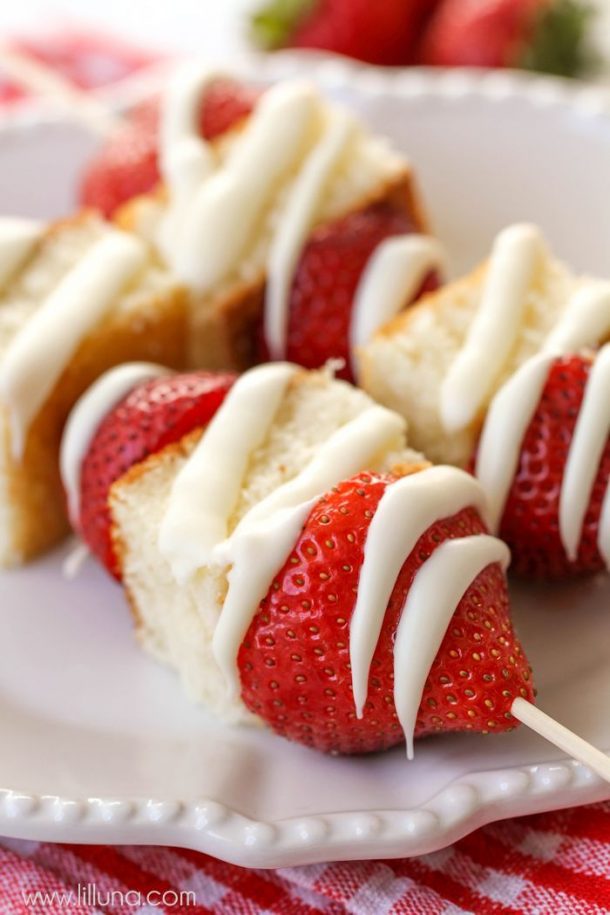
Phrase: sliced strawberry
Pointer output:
(326, 280)
(294, 661)
(128, 163)
(152, 416)
(530, 523)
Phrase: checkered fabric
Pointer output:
(547, 864)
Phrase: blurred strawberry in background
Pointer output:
(82, 59)
(87, 60)
(382, 32)
(550, 36)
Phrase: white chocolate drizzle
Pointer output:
(225, 210)
(297, 221)
(186, 158)
(44, 346)
(406, 510)
(86, 417)
(392, 277)
(585, 321)
(215, 206)
(427, 613)
(261, 542)
(18, 238)
(508, 419)
(206, 489)
(194, 530)
(516, 254)
(586, 449)
(509, 415)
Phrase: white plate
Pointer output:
(98, 742)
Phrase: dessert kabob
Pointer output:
(507, 372)
(183, 276)
(301, 568)
(296, 231)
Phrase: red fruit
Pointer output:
(128, 164)
(326, 280)
(152, 416)
(294, 661)
(544, 35)
(87, 60)
(379, 33)
(530, 523)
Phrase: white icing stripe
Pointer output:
(86, 416)
(516, 253)
(296, 224)
(257, 554)
(18, 238)
(508, 418)
(585, 321)
(355, 446)
(205, 491)
(392, 277)
(586, 449)
(405, 511)
(434, 595)
(223, 215)
(262, 541)
(185, 156)
(41, 350)
(186, 159)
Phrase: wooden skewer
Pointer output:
(46, 83)
(532, 717)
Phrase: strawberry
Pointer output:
(326, 280)
(152, 416)
(128, 163)
(545, 35)
(380, 33)
(294, 661)
(530, 523)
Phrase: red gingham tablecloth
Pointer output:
(547, 864)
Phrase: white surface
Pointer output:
(98, 742)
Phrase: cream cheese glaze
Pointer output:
(406, 510)
(506, 424)
(263, 539)
(18, 238)
(586, 449)
(297, 221)
(194, 532)
(515, 257)
(214, 207)
(585, 321)
(86, 417)
(427, 613)
(205, 491)
(40, 351)
(186, 159)
(225, 210)
(392, 277)
(509, 415)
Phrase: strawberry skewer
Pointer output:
(311, 659)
